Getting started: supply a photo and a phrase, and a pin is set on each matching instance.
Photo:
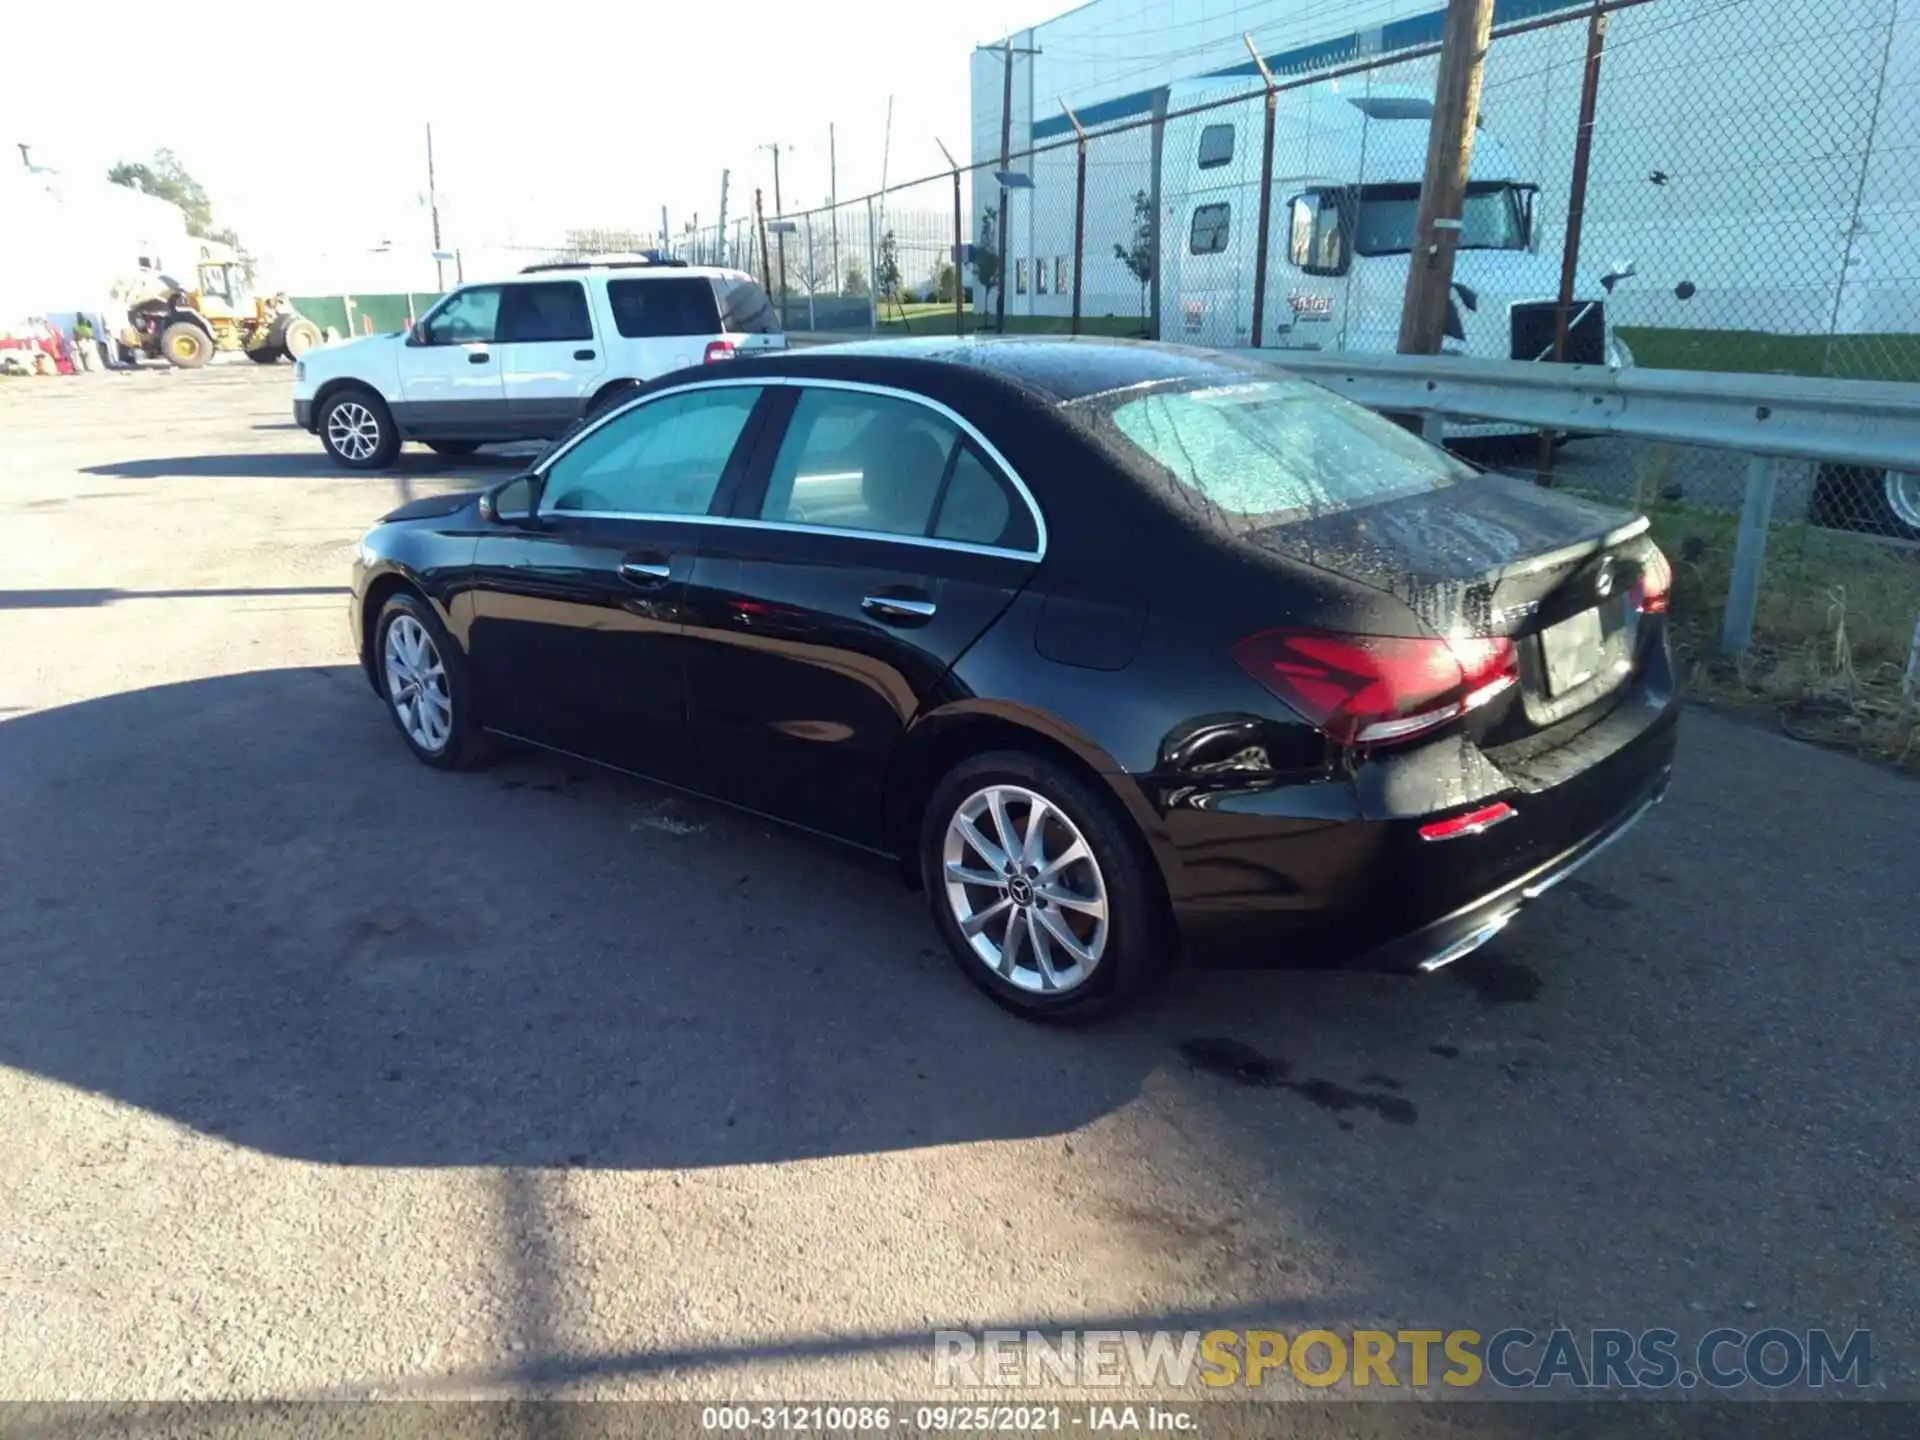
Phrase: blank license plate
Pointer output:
(1575, 651)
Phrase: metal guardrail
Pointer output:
(1868, 423)
(1848, 422)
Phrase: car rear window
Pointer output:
(1264, 451)
(680, 305)
(745, 306)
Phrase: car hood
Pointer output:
(433, 507)
(359, 345)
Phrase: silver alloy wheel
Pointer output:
(1903, 496)
(1025, 889)
(352, 430)
(417, 684)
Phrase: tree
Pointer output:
(886, 269)
(853, 283)
(945, 283)
(167, 178)
(986, 254)
(1138, 257)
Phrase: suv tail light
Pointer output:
(719, 350)
(1655, 584)
(1376, 689)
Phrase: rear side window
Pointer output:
(678, 305)
(550, 310)
(886, 465)
(979, 507)
(1216, 146)
(1209, 235)
(1266, 451)
(745, 307)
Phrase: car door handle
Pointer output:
(898, 607)
(478, 357)
(583, 354)
(645, 572)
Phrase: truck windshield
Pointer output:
(1494, 217)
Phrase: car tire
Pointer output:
(299, 336)
(453, 449)
(422, 676)
(186, 345)
(357, 430)
(1866, 499)
(1129, 940)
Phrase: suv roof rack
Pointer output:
(645, 259)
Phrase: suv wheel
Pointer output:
(357, 430)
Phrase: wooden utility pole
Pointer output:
(433, 208)
(1008, 50)
(1456, 111)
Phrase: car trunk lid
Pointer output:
(1494, 556)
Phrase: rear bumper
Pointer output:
(1363, 888)
(1472, 925)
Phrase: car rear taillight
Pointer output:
(1376, 689)
(719, 350)
(1655, 584)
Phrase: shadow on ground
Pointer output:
(249, 910)
(1666, 1097)
(314, 466)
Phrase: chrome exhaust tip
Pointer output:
(1467, 944)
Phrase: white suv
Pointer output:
(524, 358)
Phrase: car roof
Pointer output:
(1061, 368)
(623, 270)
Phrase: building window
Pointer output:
(1061, 283)
(1019, 277)
(1216, 146)
(1040, 276)
(1209, 235)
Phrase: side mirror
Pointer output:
(417, 334)
(1624, 271)
(512, 501)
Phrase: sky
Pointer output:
(309, 130)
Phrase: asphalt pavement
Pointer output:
(322, 1073)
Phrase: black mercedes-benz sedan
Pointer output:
(1123, 650)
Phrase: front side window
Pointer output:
(1209, 235)
(662, 457)
(547, 311)
(466, 317)
(1267, 451)
(1216, 146)
(889, 466)
(1317, 233)
(667, 305)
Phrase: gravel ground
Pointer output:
(322, 1073)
